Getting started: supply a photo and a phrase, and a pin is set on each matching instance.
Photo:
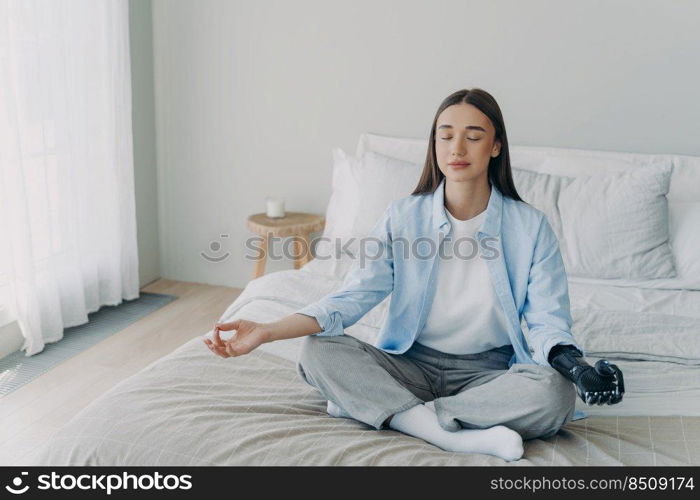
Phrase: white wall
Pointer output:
(251, 96)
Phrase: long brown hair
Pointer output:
(499, 172)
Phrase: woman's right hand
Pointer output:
(249, 335)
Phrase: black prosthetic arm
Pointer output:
(602, 384)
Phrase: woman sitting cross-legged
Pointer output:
(451, 365)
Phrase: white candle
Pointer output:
(275, 207)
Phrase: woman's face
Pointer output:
(463, 134)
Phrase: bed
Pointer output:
(193, 408)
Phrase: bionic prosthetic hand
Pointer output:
(595, 385)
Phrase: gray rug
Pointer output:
(17, 369)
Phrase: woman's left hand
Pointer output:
(601, 384)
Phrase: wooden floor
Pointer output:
(30, 414)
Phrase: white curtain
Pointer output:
(67, 211)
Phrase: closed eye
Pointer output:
(471, 139)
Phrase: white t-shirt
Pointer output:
(465, 316)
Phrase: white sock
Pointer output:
(419, 421)
(336, 411)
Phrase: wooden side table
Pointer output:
(300, 225)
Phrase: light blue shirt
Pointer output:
(400, 255)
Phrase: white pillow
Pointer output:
(340, 219)
(362, 189)
(542, 192)
(380, 180)
(616, 226)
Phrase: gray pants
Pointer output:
(470, 391)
